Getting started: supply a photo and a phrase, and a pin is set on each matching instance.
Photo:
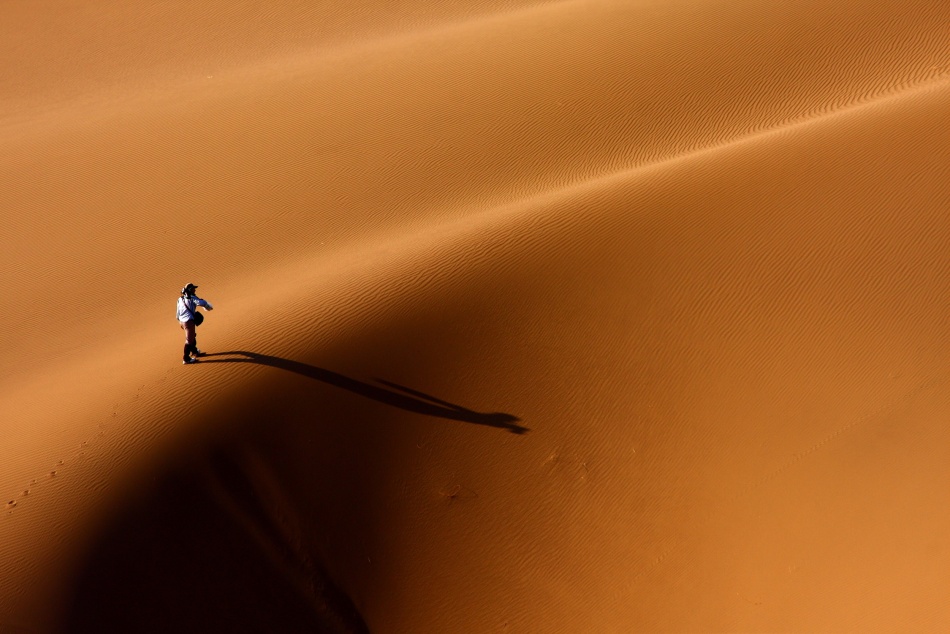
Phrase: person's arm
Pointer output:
(205, 304)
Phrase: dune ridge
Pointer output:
(575, 317)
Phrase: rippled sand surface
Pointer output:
(565, 316)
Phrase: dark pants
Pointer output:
(191, 340)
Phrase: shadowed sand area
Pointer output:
(567, 316)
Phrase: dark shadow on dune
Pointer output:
(242, 531)
(196, 551)
(399, 396)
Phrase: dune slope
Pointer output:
(569, 316)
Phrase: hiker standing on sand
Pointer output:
(189, 318)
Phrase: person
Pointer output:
(189, 318)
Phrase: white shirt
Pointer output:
(188, 305)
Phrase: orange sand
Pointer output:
(564, 316)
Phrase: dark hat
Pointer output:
(189, 288)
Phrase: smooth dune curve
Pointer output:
(530, 317)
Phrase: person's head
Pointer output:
(189, 289)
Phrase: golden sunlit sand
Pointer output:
(570, 316)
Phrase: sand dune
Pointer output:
(529, 317)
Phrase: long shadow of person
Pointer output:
(218, 539)
(396, 396)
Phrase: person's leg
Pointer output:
(194, 340)
(190, 338)
(195, 351)
(184, 354)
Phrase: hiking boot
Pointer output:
(189, 361)
(199, 353)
